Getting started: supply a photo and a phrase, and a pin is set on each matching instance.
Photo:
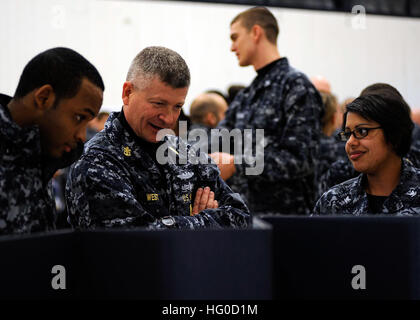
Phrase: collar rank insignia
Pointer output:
(127, 151)
(152, 197)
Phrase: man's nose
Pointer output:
(168, 118)
(81, 134)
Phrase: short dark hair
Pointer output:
(385, 89)
(165, 63)
(62, 68)
(262, 17)
(392, 115)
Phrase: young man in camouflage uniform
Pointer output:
(283, 102)
(42, 129)
(121, 180)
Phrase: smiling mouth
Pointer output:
(155, 127)
(356, 155)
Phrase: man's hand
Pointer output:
(225, 163)
(204, 199)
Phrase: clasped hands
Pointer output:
(204, 198)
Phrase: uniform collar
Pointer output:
(147, 146)
(131, 146)
(406, 173)
(23, 138)
(134, 148)
(4, 101)
(265, 75)
(279, 63)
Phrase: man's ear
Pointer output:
(211, 120)
(257, 32)
(44, 97)
(126, 92)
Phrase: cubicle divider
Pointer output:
(140, 264)
(339, 257)
(280, 257)
(27, 261)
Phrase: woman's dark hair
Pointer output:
(385, 90)
(62, 68)
(392, 114)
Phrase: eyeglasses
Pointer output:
(358, 133)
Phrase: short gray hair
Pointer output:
(165, 63)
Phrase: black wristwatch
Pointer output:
(168, 221)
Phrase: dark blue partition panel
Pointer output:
(26, 264)
(314, 257)
(140, 264)
(175, 264)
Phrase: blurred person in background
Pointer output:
(321, 84)
(96, 124)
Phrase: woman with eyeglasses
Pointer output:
(377, 130)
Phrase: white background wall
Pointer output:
(111, 33)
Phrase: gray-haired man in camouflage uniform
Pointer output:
(42, 129)
(283, 102)
(120, 179)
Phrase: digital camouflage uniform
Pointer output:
(283, 102)
(117, 183)
(338, 172)
(236, 183)
(349, 197)
(26, 202)
(331, 150)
